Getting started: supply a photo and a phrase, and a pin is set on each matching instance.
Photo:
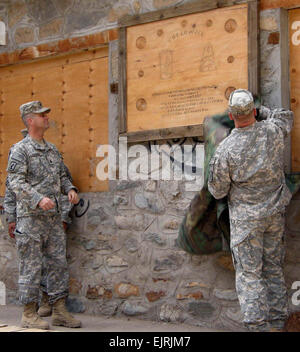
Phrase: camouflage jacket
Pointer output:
(36, 171)
(10, 206)
(248, 167)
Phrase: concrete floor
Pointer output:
(10, 316)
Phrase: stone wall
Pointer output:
(121, 253)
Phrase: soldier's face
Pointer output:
(40, 121)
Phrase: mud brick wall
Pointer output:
(121, 253)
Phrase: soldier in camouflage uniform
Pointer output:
(45, 308)
(37, 176)
(248, 168)
(10, 203)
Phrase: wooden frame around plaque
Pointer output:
(180, 64)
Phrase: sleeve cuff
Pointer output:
(68, 189)
(35, 200)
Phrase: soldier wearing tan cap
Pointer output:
(248, 168)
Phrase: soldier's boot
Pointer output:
(61, 317)
(45, 309)
(30, 318)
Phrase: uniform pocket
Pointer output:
(22, 244)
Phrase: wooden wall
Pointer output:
(294, 34)
(76, 89)
(272, 4)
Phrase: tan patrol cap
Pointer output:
(34, 107)
(241, 102)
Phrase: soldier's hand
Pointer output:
(11, 229)
(73, 197)
(46, 203)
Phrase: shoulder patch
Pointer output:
(12, 165)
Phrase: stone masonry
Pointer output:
(121, 253)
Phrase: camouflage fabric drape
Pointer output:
(206, 221)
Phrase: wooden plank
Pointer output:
(284, 59)
(122, 89)
(75, 145)
(253, 48)
(33, 66)
(61, 47)
(174, 67)
(294, 40)
(174, 11)
(16, 91)
(285, 81)
(273, 4)
(166, 133)
(99, 118)
(47, 88)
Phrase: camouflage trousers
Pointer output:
(258, 261)
(41, 247)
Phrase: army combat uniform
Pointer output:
(10, 206)
(11, 216)
(36, 171)
(248, 168)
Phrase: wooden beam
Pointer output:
(61, 47)
(122, 81)
(174, 11)
(284, 59)
(285, 81)
(165, 133)
(253, 48)
(273, 4)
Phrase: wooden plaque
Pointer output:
(182, 69)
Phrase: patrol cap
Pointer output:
(241, 102)
(34, 107)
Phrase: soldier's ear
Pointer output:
(230, 116)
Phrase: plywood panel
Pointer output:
(182, 69)
(76, 121)
(272, 4)
(98, 117)
(15, 90)
(294, 33)
(75, 87)
(48, 88)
